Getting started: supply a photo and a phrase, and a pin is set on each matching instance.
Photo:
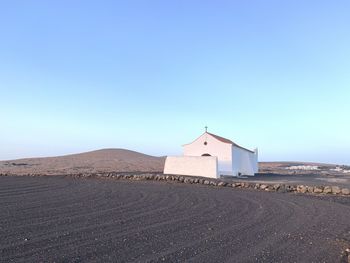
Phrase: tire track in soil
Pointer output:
(69, 219)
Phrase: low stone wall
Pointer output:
(283, 188)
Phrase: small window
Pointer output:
(206, 154)
(205, 143)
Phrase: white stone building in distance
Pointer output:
(213, 156)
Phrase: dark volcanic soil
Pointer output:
(73, 220)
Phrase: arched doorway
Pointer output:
(206, 154)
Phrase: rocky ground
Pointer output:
(341, 180)
(102, 219)
(303, 168)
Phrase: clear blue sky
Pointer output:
(149, 75)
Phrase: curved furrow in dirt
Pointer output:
(68, 219)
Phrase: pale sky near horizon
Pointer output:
(149, 75)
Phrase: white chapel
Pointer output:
(213, 156)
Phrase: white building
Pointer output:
(213, 156)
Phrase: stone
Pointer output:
(206, 182)
(345, 191)
(301, 189)
(269, 188)
(276, 187)
(327, 190)
(196, 181)
(310, 189)
(263, 186)
(222, 184)
(288, 188)
(336, 190)
(318, 189)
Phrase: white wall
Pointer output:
(244, 162)
(192, 165)
(214, 147)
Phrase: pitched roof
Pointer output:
(224, 140)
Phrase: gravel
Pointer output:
(66, 219)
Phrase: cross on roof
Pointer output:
(206, 128)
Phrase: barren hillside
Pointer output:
(106, 160)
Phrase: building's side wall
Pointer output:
(191, 165)
(223, 151)
(244, 162)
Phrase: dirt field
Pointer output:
(105, 160)
(63, 219)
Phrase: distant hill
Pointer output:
(105, 160)
(115, 160)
